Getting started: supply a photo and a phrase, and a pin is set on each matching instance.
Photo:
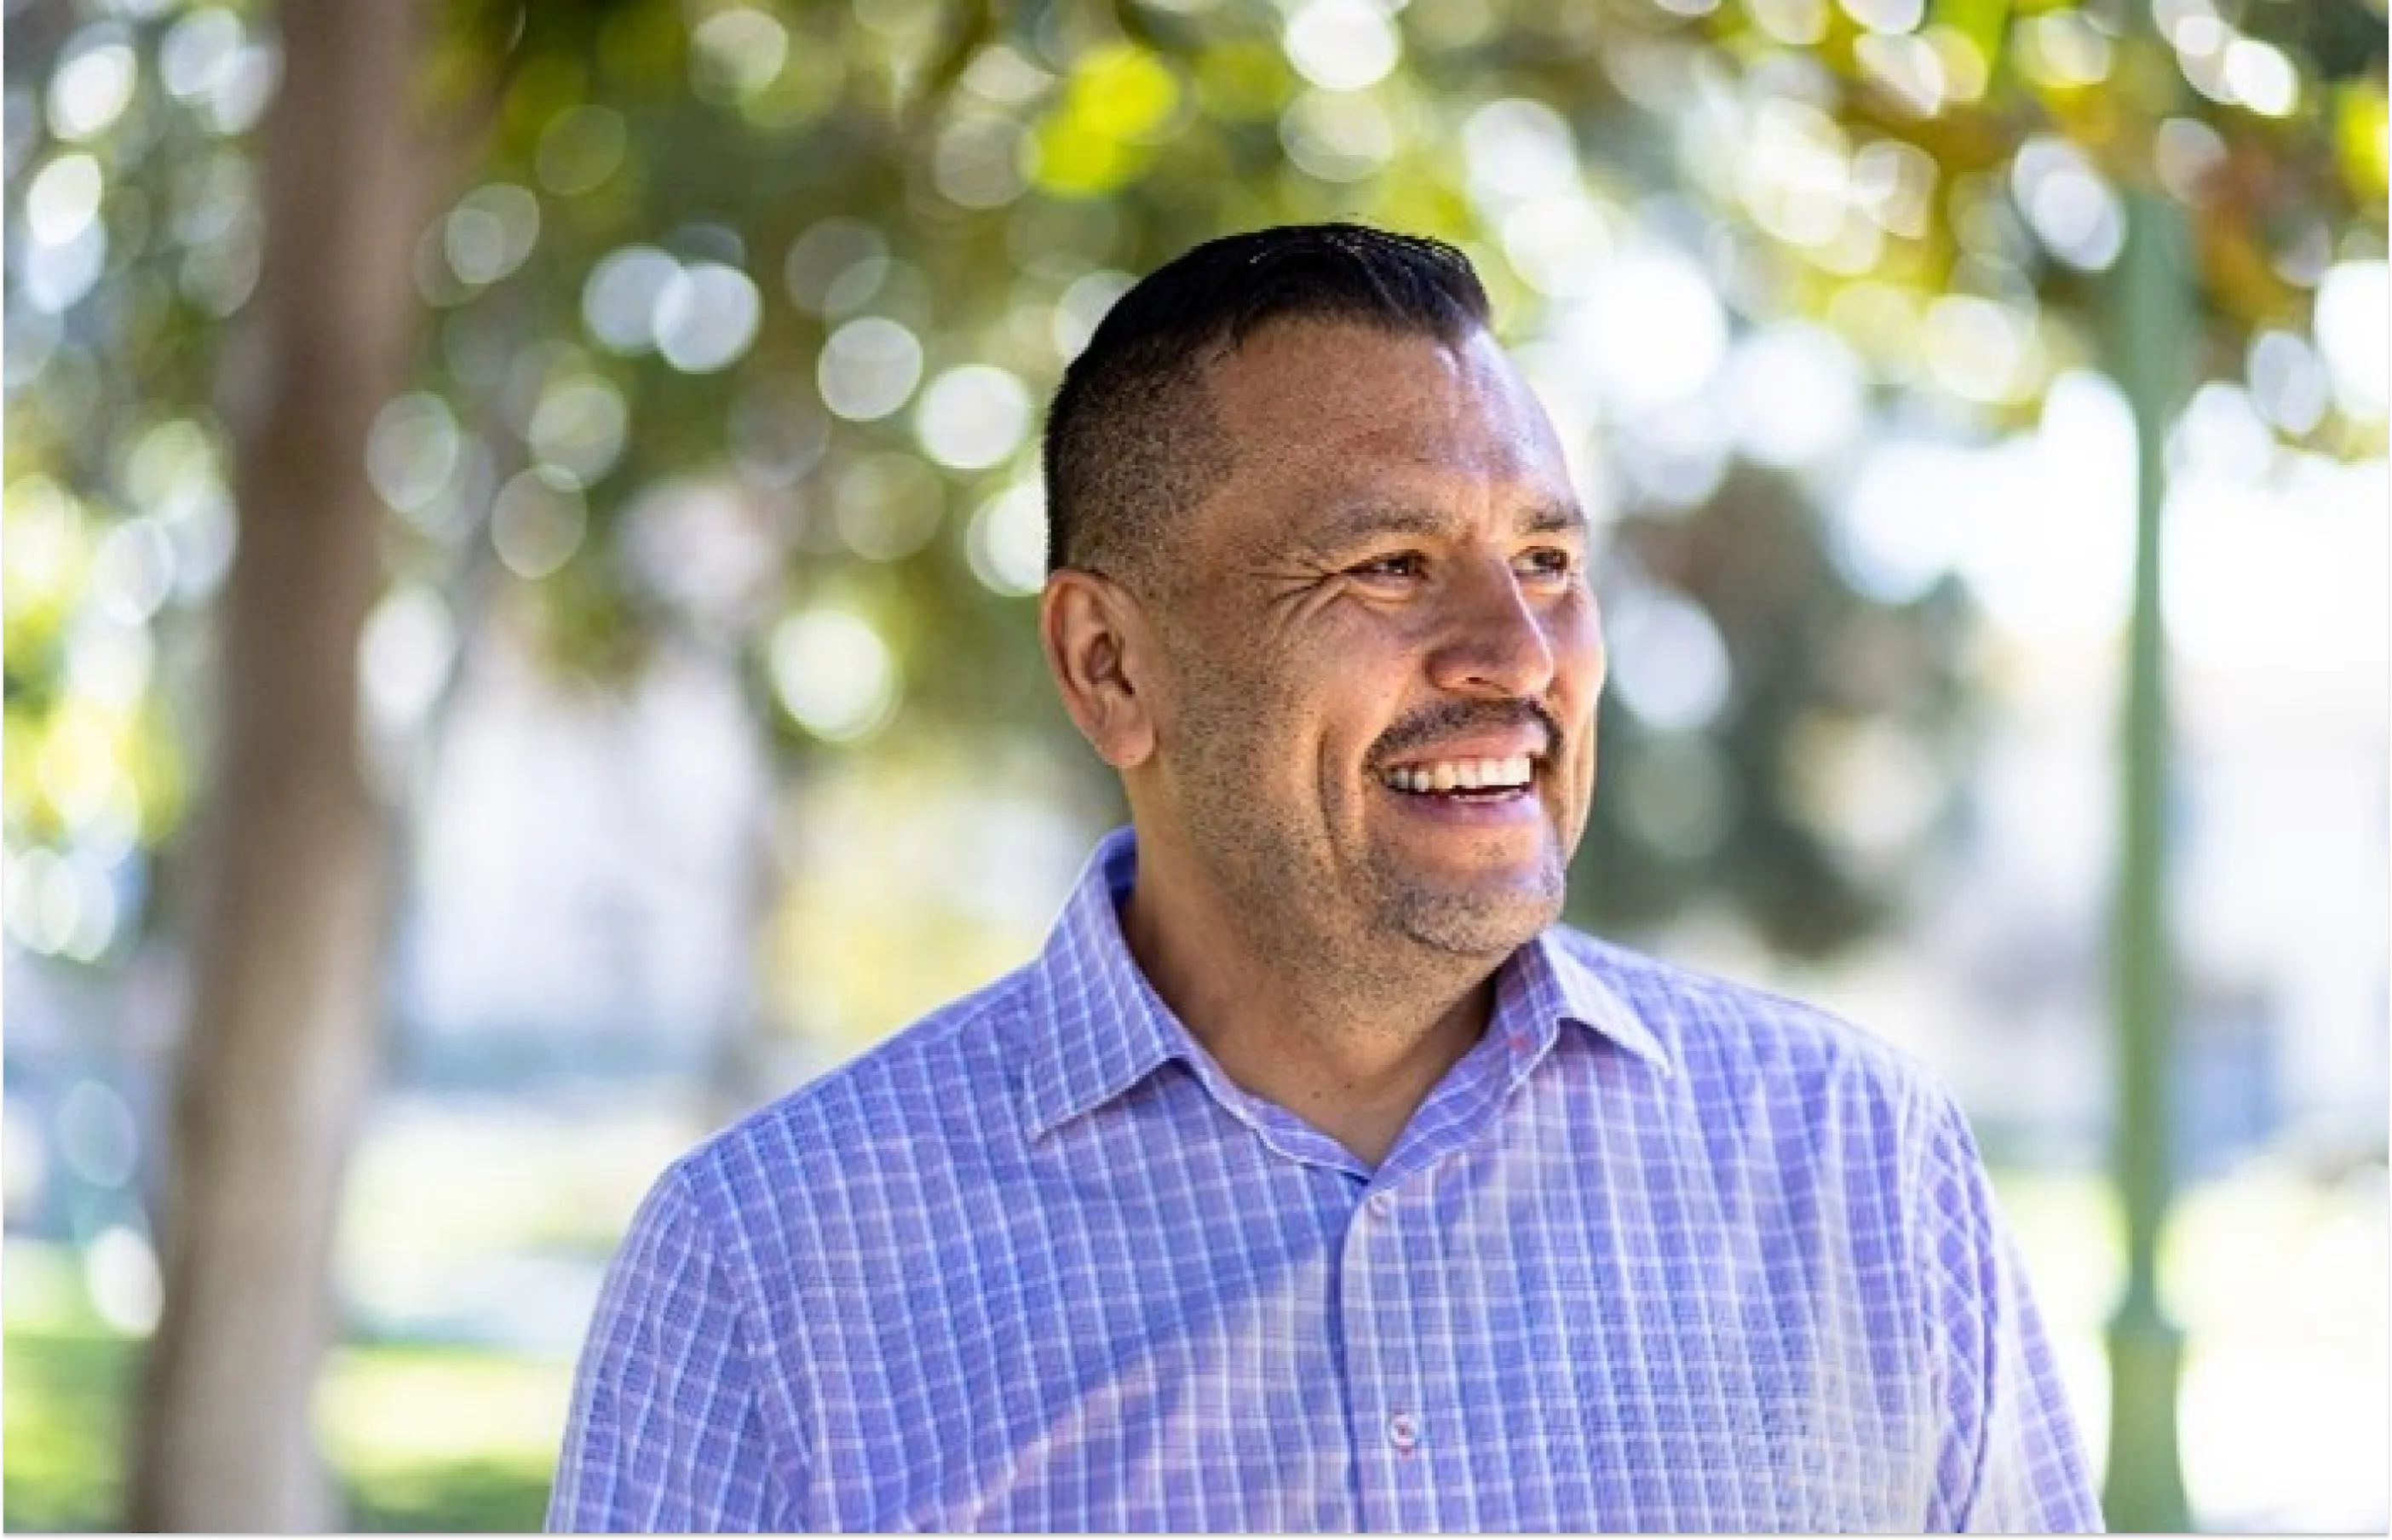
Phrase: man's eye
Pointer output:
(1549, 561)
(1401, 564)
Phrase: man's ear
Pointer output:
(1099, 651)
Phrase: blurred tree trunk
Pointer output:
(279, 1046)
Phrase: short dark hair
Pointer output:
(1131, 439)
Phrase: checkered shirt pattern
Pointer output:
(1660, 1253)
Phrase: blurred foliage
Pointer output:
(737, 329)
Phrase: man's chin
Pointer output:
(1490, 923)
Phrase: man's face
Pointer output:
(1382, 654)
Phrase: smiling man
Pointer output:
(1314, 1178)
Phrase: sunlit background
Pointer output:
(700, 700)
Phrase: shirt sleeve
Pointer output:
(2010, 1461)
(667, 1432)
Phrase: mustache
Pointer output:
(1425, 727)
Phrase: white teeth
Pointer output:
(1463, 775)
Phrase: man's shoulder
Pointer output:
(1711, 1027)
(942, 1082)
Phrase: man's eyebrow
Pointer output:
(1358, 522)
(1353, 523)
(1564, 517)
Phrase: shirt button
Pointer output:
(1382, 1204)
(1403, 1432)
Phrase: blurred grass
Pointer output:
(63, 1394)
(423, 1438)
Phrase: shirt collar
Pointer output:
(1549, 980)
(1098, 1028)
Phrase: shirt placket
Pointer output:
(1394, 1412)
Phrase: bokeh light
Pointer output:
(2350, 327)
(412, 451)
(972, 418)
(888, 507)
(837, 266)
(1006, 540)
(737, 52)
(868, 368)
(93, 83)
(537, 523)
(1667, 661)
(620, 300)
(706, 318)
(1341, 44)
(833, 674)
(491, 233)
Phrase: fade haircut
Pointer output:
(1132, 442)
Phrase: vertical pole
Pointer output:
(2144, 1492)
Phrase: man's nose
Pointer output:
(1492, 640)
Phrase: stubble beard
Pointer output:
(1357, 928)
(1372, 941)
(1473, 922)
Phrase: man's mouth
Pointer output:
(1475, 778)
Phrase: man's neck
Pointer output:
(1351, 1050)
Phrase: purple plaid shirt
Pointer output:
(1658, 1254)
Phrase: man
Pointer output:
(1314, 1178)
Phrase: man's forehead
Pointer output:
(1346, 397)
(1306, 352)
